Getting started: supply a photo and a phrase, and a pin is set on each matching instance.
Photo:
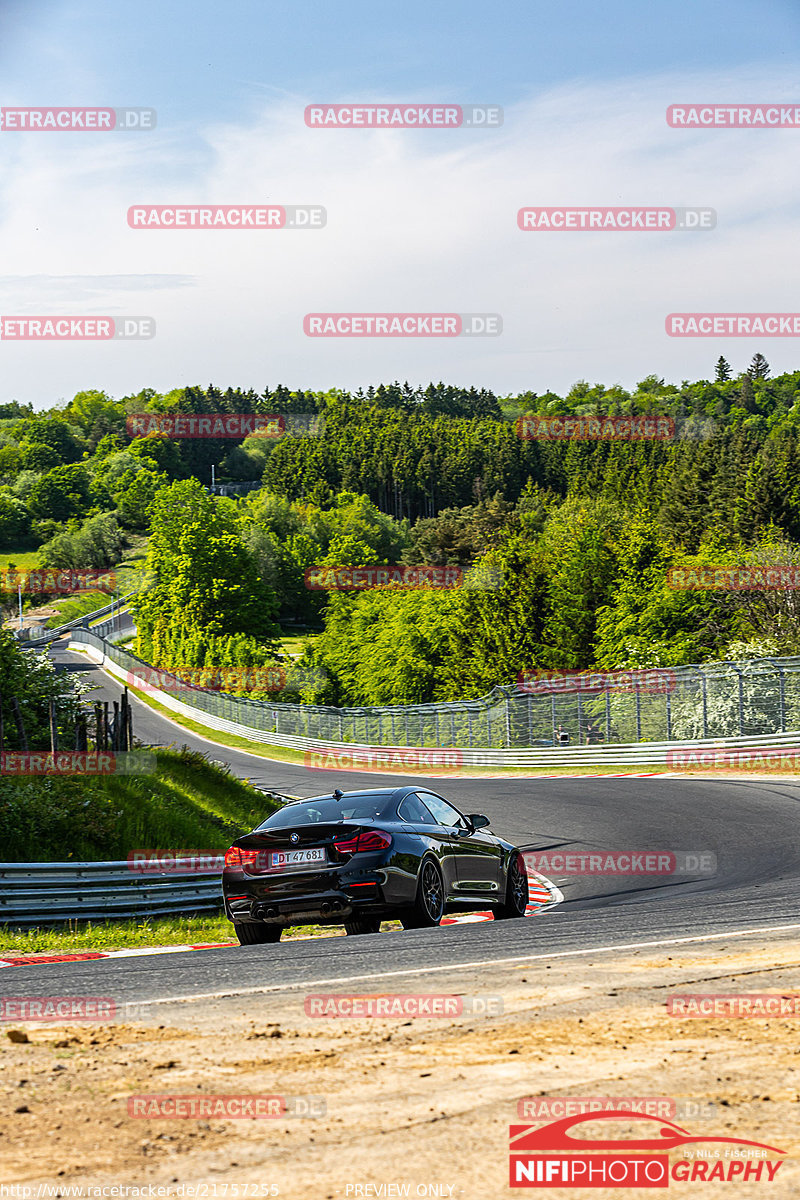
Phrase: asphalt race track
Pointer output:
(751, 827)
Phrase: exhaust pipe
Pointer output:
(325, 909)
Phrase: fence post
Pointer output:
(53, 727)
(608, 715)
(782, 690)
(669, 715)
(530, 719)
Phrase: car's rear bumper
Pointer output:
(317, 897)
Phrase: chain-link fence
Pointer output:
(719, 700)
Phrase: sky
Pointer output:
(417, 221)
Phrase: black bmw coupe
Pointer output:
(359, 858)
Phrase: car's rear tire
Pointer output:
(428, 907)
(363, 925)
(516, 898)
(250, 934)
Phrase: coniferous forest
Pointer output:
(574, 537)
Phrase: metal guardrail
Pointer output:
(47, 893)
(77, 623)
(757, 700)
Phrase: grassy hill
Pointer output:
(188, 803)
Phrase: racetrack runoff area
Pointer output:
(422, 1104)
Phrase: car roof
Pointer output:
(395, 793)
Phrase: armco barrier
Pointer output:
(45, 893)
(211, 708)
(84, 622)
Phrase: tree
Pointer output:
(55, 432)
(748, 395)
(202, 582)
(32, 679)
(15, 520)
(722, 371)
(759, 367)
(136, 491)
(98, 543)
(61, 493)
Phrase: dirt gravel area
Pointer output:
(418, 1107)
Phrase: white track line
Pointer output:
(466, 966)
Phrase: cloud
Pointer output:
(417, 221)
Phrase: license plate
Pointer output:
(296, 858)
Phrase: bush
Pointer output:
(98, 543)
(15, 520)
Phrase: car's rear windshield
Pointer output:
(349, 808)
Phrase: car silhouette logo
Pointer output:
(294, 838)
(557, 1136)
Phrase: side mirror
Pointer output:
(478, 821)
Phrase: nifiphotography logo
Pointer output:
(552, 1156)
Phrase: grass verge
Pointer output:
(188, 802)
(77, 606)
(142, 933)
(25, 560)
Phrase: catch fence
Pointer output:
(753, 699)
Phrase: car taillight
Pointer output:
(236, 857)
(366, 840)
